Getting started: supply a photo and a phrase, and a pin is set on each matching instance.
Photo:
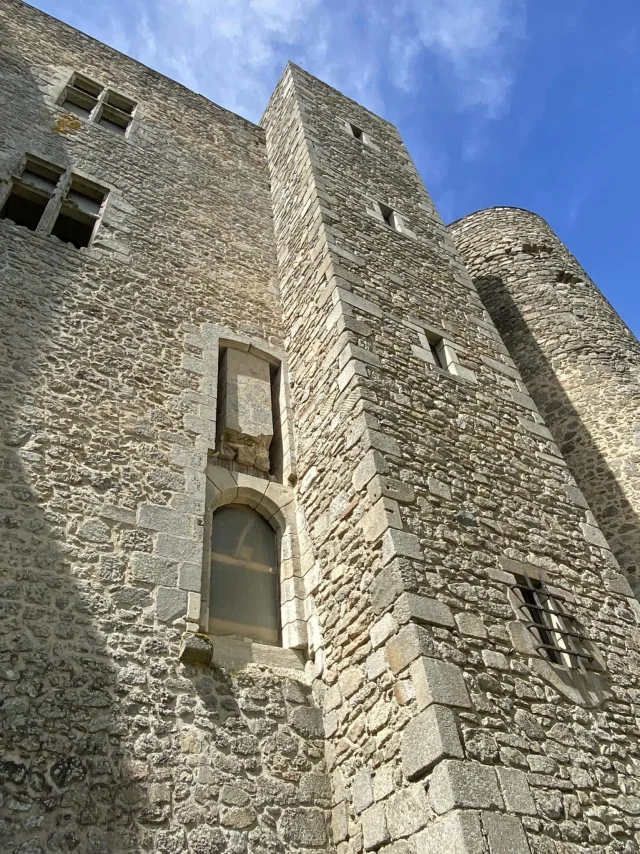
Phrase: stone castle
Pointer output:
(319, 518)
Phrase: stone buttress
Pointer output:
(430, 485)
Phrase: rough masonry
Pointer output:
(275, 318)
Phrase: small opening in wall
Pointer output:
(24, 207)
(389, 216)
(116, 113)
(114, 120)
(356, 131)
(276, 449)
(557, 631)
(244, 585)
(30, 193)
(83, 84)
(119, 102)
(567, 278)
(435, 352)
(81, 96)
(79, 213)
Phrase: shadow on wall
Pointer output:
(65, 781)
(613, 512)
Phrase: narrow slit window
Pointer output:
(244, 584)
(79, 213)
(357, 132)
(30, 193)
(390, 217)
(436, 352)
(558, 635)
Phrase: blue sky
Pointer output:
(531, 103)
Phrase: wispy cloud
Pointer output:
(233, 51)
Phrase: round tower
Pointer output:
(580, 362)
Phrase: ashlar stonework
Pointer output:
(439, 427)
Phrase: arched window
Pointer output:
(243, 599)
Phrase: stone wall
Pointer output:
(423, 481)
(107, 414)
(578, 359)
(425, 491)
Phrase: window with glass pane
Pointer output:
(244, 576)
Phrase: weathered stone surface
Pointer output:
(374, 827)
(303, 827)
(458, 832)
(515, 791)
(576, 357)
(505, 834)
(410, 642)
(196, 649)
(428, 738)
(245, 409)
(422, 609)
(361, 790)
(465, 785)
(439, 682)
(217, 236)
(407, 811)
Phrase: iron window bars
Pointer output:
(560, 639)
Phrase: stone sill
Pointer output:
(233, 654)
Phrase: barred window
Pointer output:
(557, 634)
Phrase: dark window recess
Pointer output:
(79, 213)
(81, 96)
(560, 639)
(30, 193)
(116, 113)
(436, 350)
(356, 131)
(24, 207)
(276, 448)
(243, 599)
(387, 215)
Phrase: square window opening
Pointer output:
(558, 635)
(119, 102)
(30, 193)
(83, 84)
(79, 213)
(24, 206)
(79, 103)
(114, 120)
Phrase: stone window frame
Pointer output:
(587, 687)
(213, 486)
(275, 503)
(390, 218)
(57, 198)
(102, 103)
(429, 336)
(364, 138)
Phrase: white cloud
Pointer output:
(233, 51)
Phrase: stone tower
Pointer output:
(291, 560)
(580, 362)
